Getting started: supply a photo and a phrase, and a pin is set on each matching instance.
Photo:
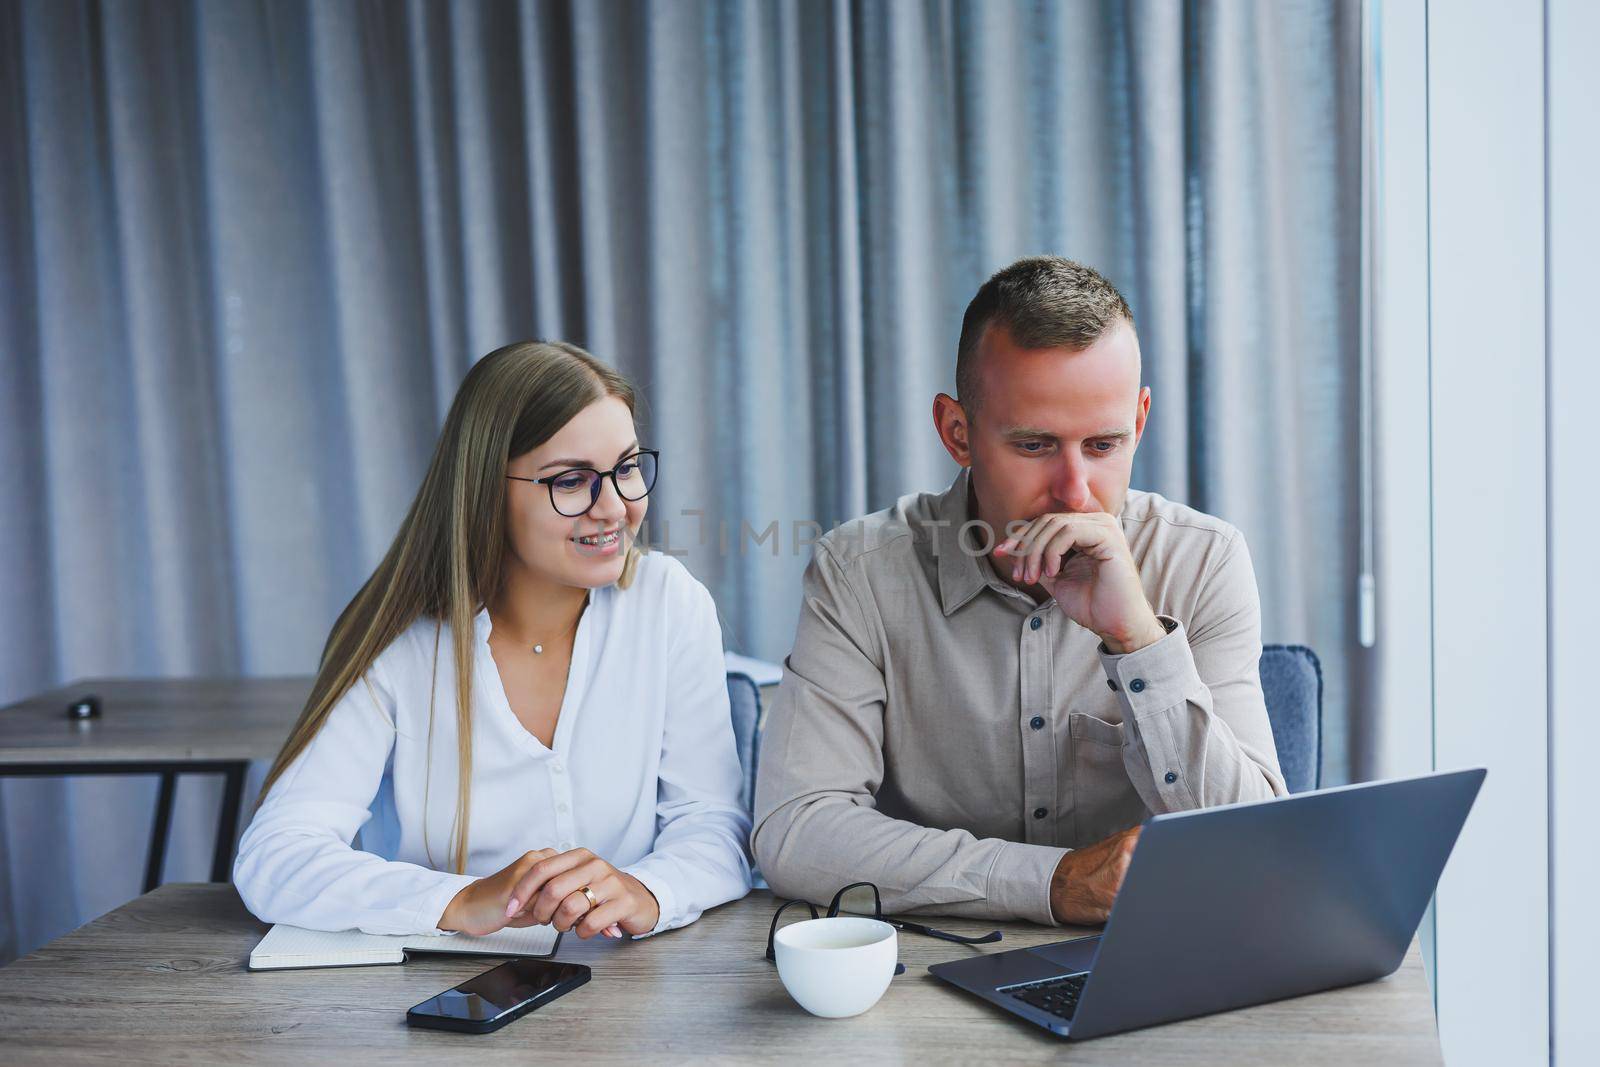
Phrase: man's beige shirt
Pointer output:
(939, 733)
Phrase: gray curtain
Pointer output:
(247, 250)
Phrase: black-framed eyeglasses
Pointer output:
(575, 490)
(863, 899)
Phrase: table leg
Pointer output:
(156, 857)
(228, 822)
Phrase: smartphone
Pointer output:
(495, 997)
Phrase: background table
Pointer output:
(164, 727)
(162, 979)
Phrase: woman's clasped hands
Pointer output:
(574, 890)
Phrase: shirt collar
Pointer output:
(483, 625)
(963, 571)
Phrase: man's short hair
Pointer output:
(1042, 302)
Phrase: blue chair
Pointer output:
(1291, 681)
(744, 703)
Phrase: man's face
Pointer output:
(1056, 430)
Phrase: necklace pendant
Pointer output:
(538, 649)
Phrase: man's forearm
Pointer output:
(1186, 756)
(811, 849)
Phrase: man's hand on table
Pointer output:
(1086, 880)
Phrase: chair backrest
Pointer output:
(1291, 681)
(744, 703)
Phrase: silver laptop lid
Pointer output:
(1247, 903)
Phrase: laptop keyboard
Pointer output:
(1058, 996)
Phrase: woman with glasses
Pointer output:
(524, 715)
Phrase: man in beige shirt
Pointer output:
(991, 688)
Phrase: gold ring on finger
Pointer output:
(594, 901)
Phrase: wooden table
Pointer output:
(164, 727)
(162, 979)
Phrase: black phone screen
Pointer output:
(495, 992)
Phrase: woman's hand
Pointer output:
(550, 890)
(480, 908)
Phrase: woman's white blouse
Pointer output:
(643, 773)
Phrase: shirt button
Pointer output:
(1171, 777)
(1039, 813)
(1111, 685)
(557, 767)
(566, 846)
(1037, 722)
(562, 808)
(1035, 622)
(1136, 686)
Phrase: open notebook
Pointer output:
(291, 946)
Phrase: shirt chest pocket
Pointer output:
(1104, 800)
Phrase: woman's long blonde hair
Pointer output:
(446, 562)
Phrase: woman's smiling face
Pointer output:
(589, 550)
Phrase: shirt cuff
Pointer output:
(1155, 677)
(668, 919)
(1019, 881)
(431, 913)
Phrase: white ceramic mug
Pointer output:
(836, 967)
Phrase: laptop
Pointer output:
(1236, 905)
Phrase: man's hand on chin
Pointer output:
(1083, 560)
(1086, 880)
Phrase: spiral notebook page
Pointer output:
(512, 941)
(292, 946)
